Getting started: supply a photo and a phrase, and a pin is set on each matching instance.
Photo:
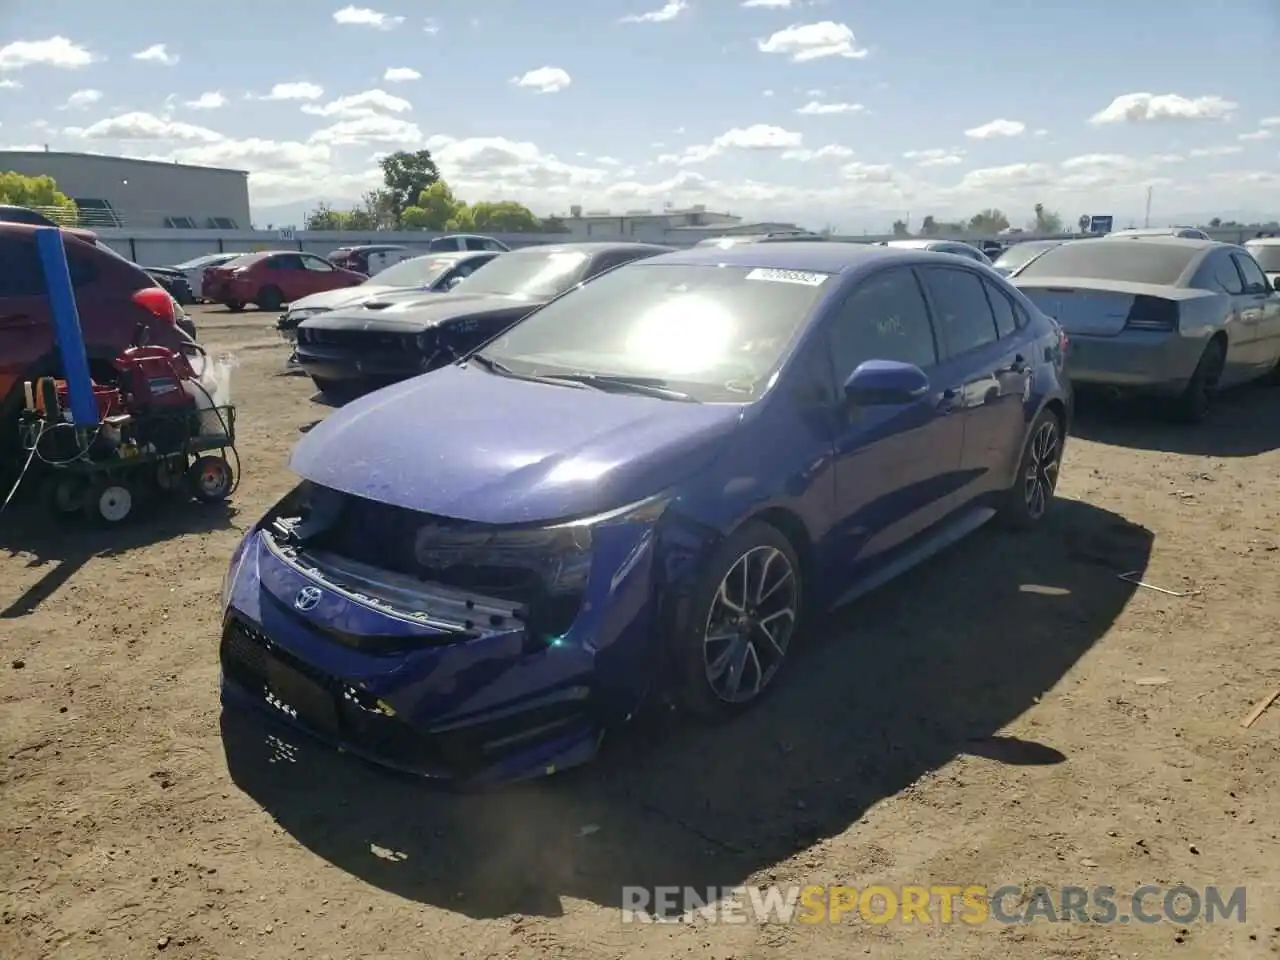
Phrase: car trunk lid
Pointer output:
(1101, 308)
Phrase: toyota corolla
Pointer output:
(638, 492)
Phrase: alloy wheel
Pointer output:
(1043, 460)
(749, 625)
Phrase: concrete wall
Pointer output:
(158, 248)
(143, 192)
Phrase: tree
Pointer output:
(504, 216)
(406, 175)
(324, 217)
(1215, 223)
(434, 207)
(1046, 221)
(38, 193)
(989, 221)
(900, 228)
(929, 226)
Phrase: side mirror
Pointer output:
(885, 383)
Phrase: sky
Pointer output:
(847, 114)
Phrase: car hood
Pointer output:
(464, 443)
(417, 310)
(342, 297)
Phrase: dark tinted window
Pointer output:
(20, 272)
(1137, 261)
(477, 243)
(961, 308)
(444, 243)
(884, 319)
(1255, 280)
(1219, 274)
(287, 261)
(1002, 307)
(83, 271)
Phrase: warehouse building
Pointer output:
(150, 194)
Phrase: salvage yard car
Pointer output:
(1176, 318)
(638, 491)
(954, 247)
(434, 273)
(373, 344)
(271, 279)
(1266, 250)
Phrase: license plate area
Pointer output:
(301, 697)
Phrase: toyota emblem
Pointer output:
(308, 598)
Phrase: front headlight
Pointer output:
(559, 554)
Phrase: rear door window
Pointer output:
(1002, 307)
(885, 318)
(20, 272)
(1219, 273)
(1255, 280)
(960, 305)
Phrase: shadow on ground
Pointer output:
(65, 544)
(1243, 423)
(930, 667)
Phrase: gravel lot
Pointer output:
(989, 719)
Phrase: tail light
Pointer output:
(1152, 313)
(157, 302)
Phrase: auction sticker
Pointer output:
(789, 276)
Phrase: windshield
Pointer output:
(1019, 254)
(1268, 257)
(418, 272)
(1132, 261)
(716, 333)
(529, 274)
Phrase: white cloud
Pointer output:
(544, 80)
(81, 99)
(1216, 151)
(367, 129)
(1269, 122)
(997, 128)
(157, 53)
(1095, 160)
(297, 90)
(6, 84)
(831, 151)
(401, 74)
(144, 126)
(364, 17)
(936, 157)
(868, 172)
(430, 26)
(56, 52)
(815, 109)
(813, 41)
(370, 103)
(608, 162)
(768, 93)
(1009, 177)
(1263, 134)
(210, 100)
(1158, 107)
(768, 4)
(668, 11)
(758, 136)
(489, 167)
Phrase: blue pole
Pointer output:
(66, 326)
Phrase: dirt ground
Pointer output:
(1013, 713)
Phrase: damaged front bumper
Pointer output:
(433, 680)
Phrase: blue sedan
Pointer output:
(639, 491)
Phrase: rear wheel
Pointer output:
(270, 299)
(1030, 498)
(109, 502)
(1192, 405)
(235, 306)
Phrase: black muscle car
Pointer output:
(362, 347)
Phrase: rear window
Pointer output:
(1268, 256)
(1020, 253)
(1132, 261)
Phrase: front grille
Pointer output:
(339, 711)
(362, 339)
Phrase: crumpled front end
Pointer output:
(454, 650)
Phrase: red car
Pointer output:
(113, 296)
(273, 279)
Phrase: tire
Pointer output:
(706, 645)
(270, 299)
(109, 503)
(235, 306)
(64, 493)
(1192, 405)
(210, 479)
(1030, 498)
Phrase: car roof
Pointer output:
(1164, 238)
(828, 256)
(591, 249)
(371, 247)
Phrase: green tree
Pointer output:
(929, 226)
(990, 221)
(504, 216)
(1046, 221)
(435, 207)
(324, 217)
(900, 228)
(38, 193)
(406, 174)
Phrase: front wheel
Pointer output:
(740, 624)
(1030, 498)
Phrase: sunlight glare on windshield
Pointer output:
(682, 335)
